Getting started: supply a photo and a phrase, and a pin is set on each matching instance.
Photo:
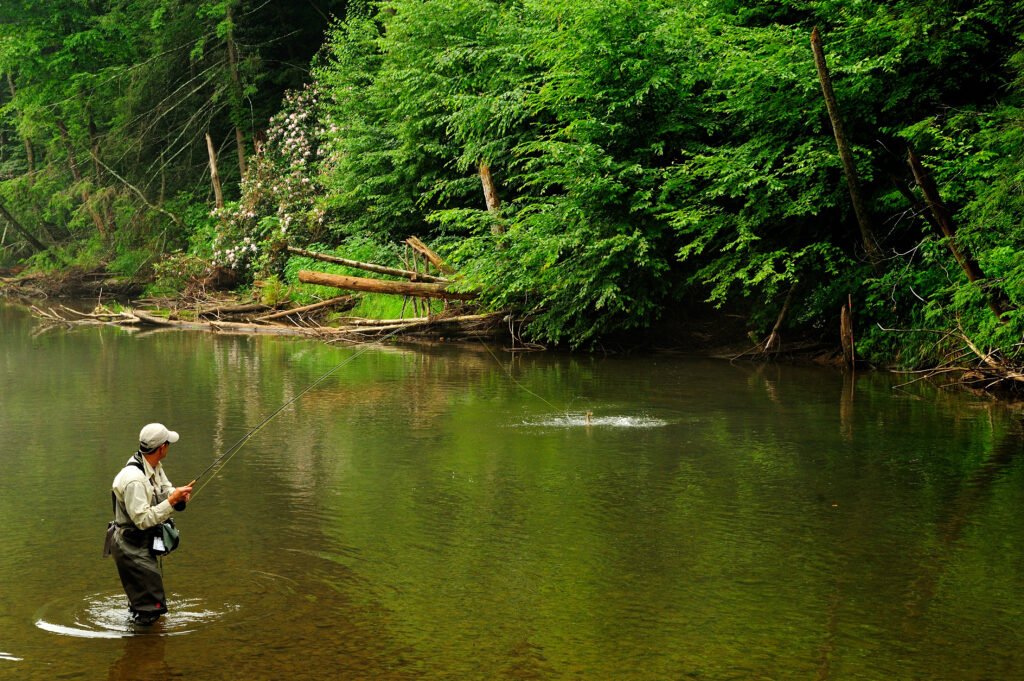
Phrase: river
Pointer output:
(448, 513)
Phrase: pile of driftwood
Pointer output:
(456, 321)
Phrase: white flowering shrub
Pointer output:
(280, 192)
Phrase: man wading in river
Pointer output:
(143, 498)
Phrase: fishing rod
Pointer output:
(233, 449)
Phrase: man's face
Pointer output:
(161, 452)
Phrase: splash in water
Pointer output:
(590, 420)
(106, 616)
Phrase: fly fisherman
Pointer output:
(143, 498)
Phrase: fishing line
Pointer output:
(233, 449)
(512, 378)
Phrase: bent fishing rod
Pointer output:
(233, 449)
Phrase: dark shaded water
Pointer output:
(421, 516)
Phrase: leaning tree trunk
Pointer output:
(849, 167)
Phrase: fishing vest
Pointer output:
(121, 517)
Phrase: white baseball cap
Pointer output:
(153, 435)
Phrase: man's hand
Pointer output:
(179, 495)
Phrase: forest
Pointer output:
(603, 169)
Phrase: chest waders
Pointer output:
(136, 565)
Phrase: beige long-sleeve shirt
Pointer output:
(143, 495)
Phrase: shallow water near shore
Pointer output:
(420, 515)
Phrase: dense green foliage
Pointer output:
(648, 155)
(105, 106)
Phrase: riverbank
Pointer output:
(76, 297)
(80, 298)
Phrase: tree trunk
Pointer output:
(849, 168)
(76, 173)
(29, 157)
(491, 196)
(369, 267)
(942, 218)
(401, 288)
(915, 203)
(36, 243)
(236, 84)
(214, 176)
(94, 146)
(773, 338)
(846, 333)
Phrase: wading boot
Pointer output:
(144, 619)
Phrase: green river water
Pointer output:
(420, 515)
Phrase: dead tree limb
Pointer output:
(140, 194)
(430, 255)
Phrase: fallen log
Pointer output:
(369, 267)
(414, 322)
(216, 326)
(360, 321)
(430, 255)
(401, 288)
(309, 308)
(235, 309)
(464, 326)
